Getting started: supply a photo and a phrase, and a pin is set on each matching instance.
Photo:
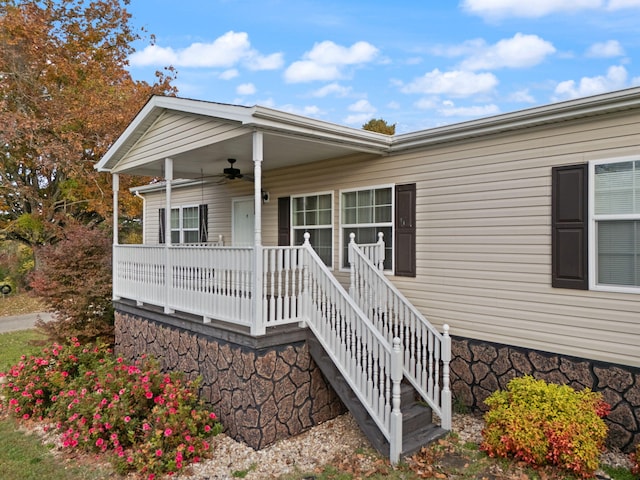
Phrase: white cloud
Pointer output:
(308, 110)
(268, 62)
(362, 106)
(229, 74)
(615, 79)
(393, 105)
(332, 89)
(522, 96)
(457, 83)
(246, 89)
(225, 51)
(620, 4)
(450, 110)
(611, 48)
(428, 103)
(362, 110)
(497, 9)
(521, 51)
(327, 60)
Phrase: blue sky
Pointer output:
(418, 64)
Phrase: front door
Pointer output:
(243, 222)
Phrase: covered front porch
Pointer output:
(368, 331)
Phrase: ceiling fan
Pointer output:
(231, 173)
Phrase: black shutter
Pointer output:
(161, 218)
(570, 263)
(284, 221)
(203, 218)
(405, 230)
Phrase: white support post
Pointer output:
(258, 325)
(395, 437)
(168, 176)
(445, 397)
(116, 187)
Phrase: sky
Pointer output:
(415, 63)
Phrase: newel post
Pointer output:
(352, 266)
(445, 397)
(395, 443)
(380, 254)
(306, 288)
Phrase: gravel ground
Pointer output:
(317, 447)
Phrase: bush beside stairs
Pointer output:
(418, 428)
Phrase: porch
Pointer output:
(368, 331)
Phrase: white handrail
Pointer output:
(425, 349)
(364, 357)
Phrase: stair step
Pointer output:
(414, 442)
(415, 417)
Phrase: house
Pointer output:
(509, 245)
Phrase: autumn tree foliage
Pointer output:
(65, 96)
(380, 125)
(74, 280)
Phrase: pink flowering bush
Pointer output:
(143, 419)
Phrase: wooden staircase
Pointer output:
(417, 427)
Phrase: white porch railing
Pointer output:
(282, 285)
(366, 360)
(424, 348)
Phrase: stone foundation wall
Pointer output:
(260, 394)
(479, 368)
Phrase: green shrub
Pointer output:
(143, 419)
(546, 424)
(635, 458)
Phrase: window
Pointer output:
(184, 225)
(365, 213)
(615, 218)
(314, 214)
(188, 224)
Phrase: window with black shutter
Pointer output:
(284, 221)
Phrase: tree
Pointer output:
(74, 280)
(381, 126)
(65, 96)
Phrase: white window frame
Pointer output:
(329, 226)
(181, 228)
(391, 224)
(593, 219)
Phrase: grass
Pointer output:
(15, 344)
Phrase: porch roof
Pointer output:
(200, 136)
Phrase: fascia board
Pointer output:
(547, 114)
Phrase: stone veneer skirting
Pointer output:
(262, 390)
(479, 368)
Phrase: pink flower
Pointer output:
(127, 419)
(207, 428)
(191, 448)
(25, 416)
(65, 374)
(158, 453)
(148, 395)
(212, 416)
(99, 442)
(146, 427)
(168, 432)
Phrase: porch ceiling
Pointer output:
(278, 151)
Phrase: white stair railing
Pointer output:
(425, 350)
(369, 363)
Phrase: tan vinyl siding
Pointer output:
(167, 137)
(484, 234)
